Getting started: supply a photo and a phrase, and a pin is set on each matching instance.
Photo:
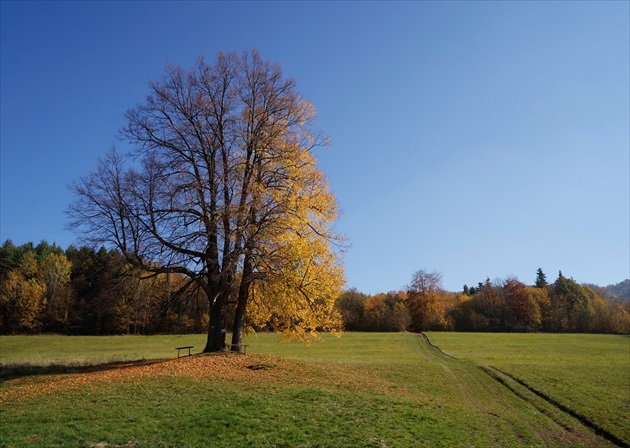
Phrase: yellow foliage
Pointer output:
(296, 294)
(299, 274)
(24, 300)
(29, 267)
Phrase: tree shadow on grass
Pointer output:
(12, 371)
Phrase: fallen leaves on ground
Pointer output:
(218, 367)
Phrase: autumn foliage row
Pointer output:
(85, 291)
(505, 305)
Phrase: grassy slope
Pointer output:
(586, 373)
(360, 390)
(54, 349)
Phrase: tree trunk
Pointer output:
(216, 335)
(241, 305)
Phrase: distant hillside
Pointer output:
(620, 291)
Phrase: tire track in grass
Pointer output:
(485, 399)
(464, 388)
(506, 379)
(581, 418)
(541, 405)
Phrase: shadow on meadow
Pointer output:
(16, 370)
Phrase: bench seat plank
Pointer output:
(182, 348)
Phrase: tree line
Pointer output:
(506, 305)
(88, 291)
(45, 289)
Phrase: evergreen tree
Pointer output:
(541, 279)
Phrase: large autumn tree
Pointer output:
(222, 186)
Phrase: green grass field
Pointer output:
(360, 390)
(589, 374)
(52, 349)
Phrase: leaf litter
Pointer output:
(252, 369)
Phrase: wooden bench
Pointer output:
(237, 347)
(183, 348)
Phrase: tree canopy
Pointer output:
(224, 187)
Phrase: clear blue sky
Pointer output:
(478, 139)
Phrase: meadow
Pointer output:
(585, 373)
(359, 390)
